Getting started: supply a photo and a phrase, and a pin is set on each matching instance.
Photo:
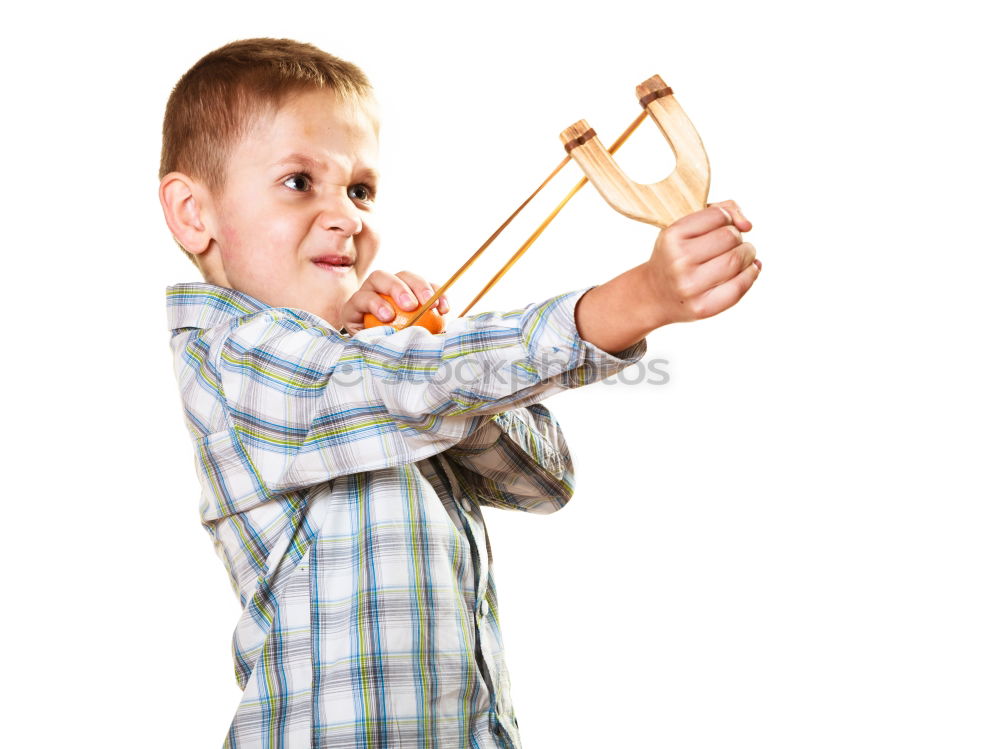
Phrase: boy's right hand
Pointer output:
(405, 288)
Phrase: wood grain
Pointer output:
(661, 203)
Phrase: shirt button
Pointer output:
(483, 608)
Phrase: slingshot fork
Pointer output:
(684, 191)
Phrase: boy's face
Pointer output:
(293, 226)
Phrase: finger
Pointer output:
(442, 302)
(742, 222)
(701, 222)
(711, 217)
(386, 283)
(369, 301)
(418, 286)
(423, 289)
(735, 214)
(725, 295)
(714, 243)
(736, 211)
(721, 268)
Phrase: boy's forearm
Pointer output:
(621, 312)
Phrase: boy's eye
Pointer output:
(361, 192)
(302, 181)
(299, 179)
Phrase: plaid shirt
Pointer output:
(342, 485)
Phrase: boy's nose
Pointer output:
(342, 215)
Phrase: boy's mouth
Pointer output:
(336, 263)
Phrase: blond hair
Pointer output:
(217, 102)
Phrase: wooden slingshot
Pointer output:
(684, 191)
(662, 203)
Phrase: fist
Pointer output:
(384, 299)
(700, 264)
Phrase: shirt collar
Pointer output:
(204, 305)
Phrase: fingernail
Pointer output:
(384, 313)
(407, 300)
(425, 294)
(443, 305)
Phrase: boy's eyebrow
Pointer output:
(298, 158)
(311, 163)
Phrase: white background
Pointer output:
(792, 544)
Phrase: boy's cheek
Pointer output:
(366, 256)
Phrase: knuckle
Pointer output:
(734, 262)
(685, 287)
(668, 240)
(380, 279)
(674, 251)
(679, 266)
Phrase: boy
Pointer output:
(343, 470)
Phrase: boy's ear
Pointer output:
(187, 208)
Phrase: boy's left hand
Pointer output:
(405, 288)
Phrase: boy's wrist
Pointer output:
(618, 314)
(649, 297)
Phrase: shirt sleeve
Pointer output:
(517, 460)
(305, 404)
